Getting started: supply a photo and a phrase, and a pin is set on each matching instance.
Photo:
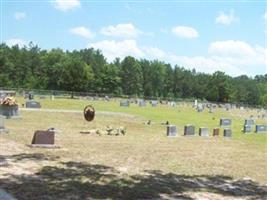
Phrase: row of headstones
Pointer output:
(141, 103)
(250, 123)
(189, 130)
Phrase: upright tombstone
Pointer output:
(43, 138)
(33, 104)
(203, 132)
(189, 130)
(247, 128)
(249, 122)
(172, 131)
(225, 122)
(216, 132)
(154, 103)
(260, 128)
(227, 132)
(2, 125)
(9, 111)
(124, 103)
(141, 103)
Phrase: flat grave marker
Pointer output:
(260, 128)
(225, 122)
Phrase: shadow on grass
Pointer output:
(75, 181)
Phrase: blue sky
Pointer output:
(229, 36)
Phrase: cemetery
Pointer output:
(113, 140)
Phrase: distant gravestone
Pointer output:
(225, 122)
(2, 125)
(124, 103)
(261, 128)
(9, 111)
(42, 97)
(203, 132)
(154, 103)
(216, 132)
(33, 104)
(249, 122)
(142, 103)
(172, 131)
(227, 132)
(189, 130)
(247, 128)
(43, 137)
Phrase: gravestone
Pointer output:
(249, 122)
(247, 128)
(189, 130)
(225, 122)
(203, 131)
(2, 125)
(43, 137)
(142, 103)
(216, 132)
(260, 128)
(33, 104)
(172, 131)
(227, 132)
(124, 103)
(9, 111)
(42, 97)
(200, 108)
(154, 103)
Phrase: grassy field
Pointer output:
(143, 164)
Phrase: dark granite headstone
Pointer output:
(261, 128)
(124, 103)
(249, 122)
(43, 137)
(247, 128)
(189, 130)
(33, 104)
(172, 131)
(203, 131)
(9, 111)
(227, 132)
(216, 132)
(225, 122)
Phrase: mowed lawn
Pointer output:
(143, 164)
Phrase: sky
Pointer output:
(229, 36)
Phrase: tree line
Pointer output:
(87, 70)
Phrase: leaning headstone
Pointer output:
(33, 104)
(260, 128)
(154, 103)
(43, 138)
(249, 122)
(189, 130)
(124, 103)
(203, 131)
(172, 131)
(247, 128)
(225, 122)
(216, 132)
(227, 132)
(2, 125)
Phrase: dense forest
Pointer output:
(87, 70)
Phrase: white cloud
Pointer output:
(233, 57)
(121, 30)
(185, 32)
(113, 49)
(226, 19)
(19, 15)
(231, 47)
(16, 41)
(265, 16)
(83, 32)
(66, 5)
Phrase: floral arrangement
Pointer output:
(8, 101)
